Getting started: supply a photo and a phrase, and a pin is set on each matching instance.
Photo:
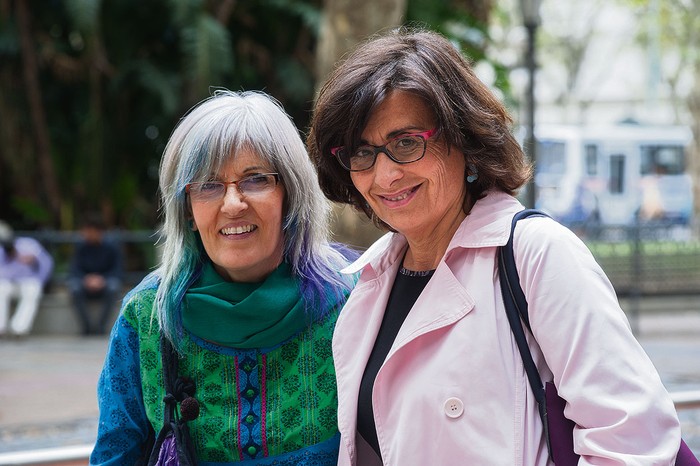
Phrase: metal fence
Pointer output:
(643, 259)
(648, 259)
(139, 248)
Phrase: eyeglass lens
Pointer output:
(248, 186)
(404, 149)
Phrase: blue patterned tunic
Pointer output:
(267, 406)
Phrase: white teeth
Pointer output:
(238, 230)
(398, 198)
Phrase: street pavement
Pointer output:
(48, 391)
(48, 396)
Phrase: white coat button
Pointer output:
(454, 407)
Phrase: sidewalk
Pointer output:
(48, 391)
(48, 383)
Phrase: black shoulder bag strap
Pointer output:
(516, 309)
(177, 389)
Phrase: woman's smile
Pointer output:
(395, 200)
(238, 231)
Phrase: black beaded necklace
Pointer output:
(415, 273)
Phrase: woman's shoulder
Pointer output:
(544, 231)
(139, 302)
(541, 242)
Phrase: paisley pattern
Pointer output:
(265, 406)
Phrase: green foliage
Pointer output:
(672, 24)
(185, 10)
(34, 213)
(308, 12)
(84, 14)
(206, 46)
(649, 266)
(454, 20)
(295, 80)
(115, 77)
(651, 248)
(9, 38)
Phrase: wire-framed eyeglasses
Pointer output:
(249, 186)
(404, 148)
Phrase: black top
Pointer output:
(407, 287)
(102, 258)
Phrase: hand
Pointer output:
(94, 282)
(27, 259)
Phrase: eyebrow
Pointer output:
(247, 171)
(396, 132)
(257, 168)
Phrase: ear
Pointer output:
(190, 216)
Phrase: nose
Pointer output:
(386, 171)
(234, 202)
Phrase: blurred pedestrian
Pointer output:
(25, 269)
(95, 275)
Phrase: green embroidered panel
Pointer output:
(252, 403)
(301, 391)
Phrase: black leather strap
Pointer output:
(517, 312)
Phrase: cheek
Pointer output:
(275, 211)
(201, 214)
(361, 180)
(453, 166)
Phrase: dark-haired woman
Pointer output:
(428, 369)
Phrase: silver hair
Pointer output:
(204, 139)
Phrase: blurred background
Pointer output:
(605, 96)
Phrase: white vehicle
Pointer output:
(613, 175)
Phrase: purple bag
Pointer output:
(558, 429)
(167, 456)
(561, 430)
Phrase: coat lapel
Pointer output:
(430, 313)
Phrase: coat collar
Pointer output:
(487, 225)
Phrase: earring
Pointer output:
(474, 175)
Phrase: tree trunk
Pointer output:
(48, 183)
(345, 23)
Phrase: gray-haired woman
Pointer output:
(247, 294)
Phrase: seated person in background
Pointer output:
(95, 273)
(25, 268)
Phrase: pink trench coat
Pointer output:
(453, 391)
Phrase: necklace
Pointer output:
(415, 273)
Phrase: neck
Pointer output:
(426, 251)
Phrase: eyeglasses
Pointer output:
(404, 148)
(254, 185)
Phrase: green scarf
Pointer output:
(245, 315)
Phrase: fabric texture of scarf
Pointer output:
(245, 315)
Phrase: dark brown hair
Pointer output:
(469, 116)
